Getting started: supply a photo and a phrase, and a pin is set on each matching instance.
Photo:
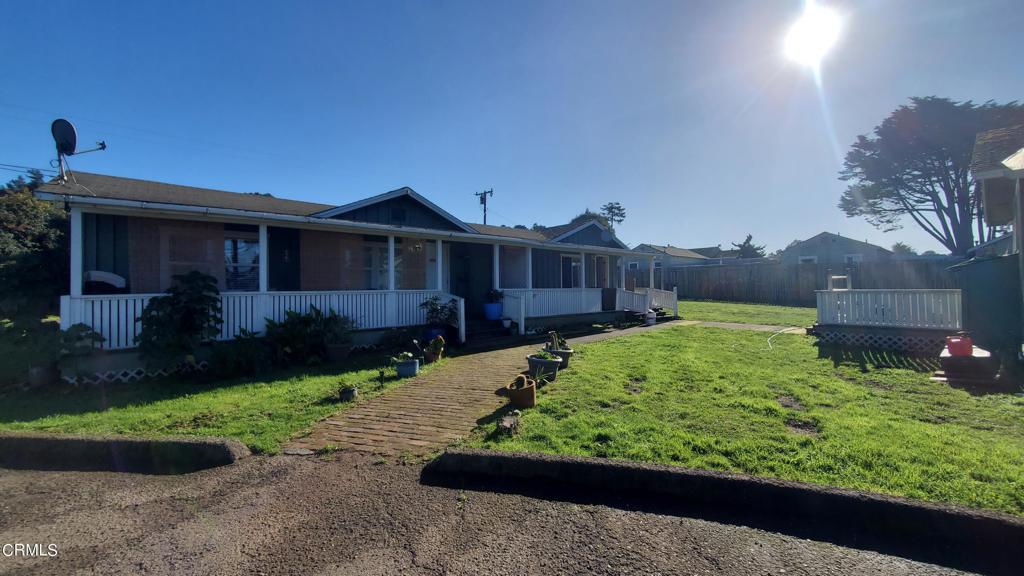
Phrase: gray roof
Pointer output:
(676, 252)
(993, 146)
(834, 236)
(101, 186)
(508, 232)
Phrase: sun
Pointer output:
(813, 35)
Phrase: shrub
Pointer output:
(440, 313)
(174, 325)
(246, 355)
(28, 342)
(304, 338)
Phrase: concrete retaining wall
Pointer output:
(968, 539)
(115, 454)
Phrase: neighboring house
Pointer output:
(833, 250)
(374, 260)
(665, 257)
(993, 279)
(716, 253)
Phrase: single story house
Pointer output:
(665, 257)
(833, 250)
(993, 279)
(374, 260)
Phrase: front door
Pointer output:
(471, 274)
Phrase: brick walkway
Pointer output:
(432, 410)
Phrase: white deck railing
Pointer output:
(542, 302)
(665, 299)
(938, 309)
(116, 316)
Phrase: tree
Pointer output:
(613, 212)
(916, 163)
(587, 215)
(747, 248)
(903, 248)
(33, 249)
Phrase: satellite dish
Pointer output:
(64, 136)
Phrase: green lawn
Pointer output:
(746, 313)
(721, 399)
(262, 412)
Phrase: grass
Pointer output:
(262, 412)
(721, 399)
(711, 311)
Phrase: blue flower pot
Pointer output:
(492, 310)
(407, 368)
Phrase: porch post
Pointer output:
(440, 266)
(529, 267)
(264, 260)
(650, 275)
(497, 272)
(583, 270)
(391, 263)
(622, 272)
(77, 251)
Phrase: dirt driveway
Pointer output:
(362, 516)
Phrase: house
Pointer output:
(665, 257)
(992, 280)
(374, 259)
(833, 250)
(716, 252)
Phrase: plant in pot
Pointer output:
(522, 392)
(348, 392)
(506, 323)
(543, 365)
(557, 346)
(492, 309)
(406, 364)
(434, 350)
(336, 331)
(440, 315)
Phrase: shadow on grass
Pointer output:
(864, 358)
(28, 405)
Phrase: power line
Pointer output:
(9, 166)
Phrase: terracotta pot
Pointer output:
(429, 356)
(542, 369)
(564, 355)
(525, 397)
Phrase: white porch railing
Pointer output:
(116, 316)
(665, 299)
(514, 307)
(633, 301)
(557, 301)
(939, 309)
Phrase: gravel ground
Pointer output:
(357, 514)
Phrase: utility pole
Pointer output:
(483, 200)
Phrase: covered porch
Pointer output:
(120, 259)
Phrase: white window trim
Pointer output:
(808, 259)
(634, 265)
(853, 258)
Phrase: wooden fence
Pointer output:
(794, 284)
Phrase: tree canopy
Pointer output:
(747, 248)
(916, 163)
(613, 212)
(903, 248)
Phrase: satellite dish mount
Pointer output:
(66, 139)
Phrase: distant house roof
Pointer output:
(715, 252)
(676, 252)
(525, 234)
(831, 235)
(992, 147)
(116, 187)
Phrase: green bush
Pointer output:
(29, 342)
(246, 355)
(174, 325)
(304, 338)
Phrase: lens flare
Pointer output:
(813, 35)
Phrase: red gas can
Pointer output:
(960, 345)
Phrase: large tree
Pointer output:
(613, 212)
(916, 164)
(747, 248)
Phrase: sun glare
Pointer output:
(812, 35)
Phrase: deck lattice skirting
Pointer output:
(915, 321)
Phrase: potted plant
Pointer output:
(348, 392)
(506, 323)
(440, 315)
(543, 365)
(434, 350)
(406, 364)
(492, 309)
(337, 331)
(557, 346)
(522, 392)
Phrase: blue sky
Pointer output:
(685, 112)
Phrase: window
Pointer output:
(188, 248)
(570, 271)
(808, 259)
(634, 265)
(657, 264)
(364, 262)
(241, 261)
(415, 262)
(853, 258)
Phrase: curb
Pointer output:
(974, 540)
(33, 451)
